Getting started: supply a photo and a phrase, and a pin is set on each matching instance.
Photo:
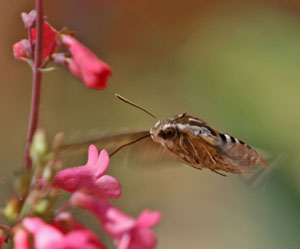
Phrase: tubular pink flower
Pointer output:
(21, 239)
(127, 232)
(22, 48)
(85, 65)
(47, 236)
(90, 178)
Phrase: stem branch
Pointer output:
(37, 80)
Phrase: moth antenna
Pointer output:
(132, 142)
(135, 105)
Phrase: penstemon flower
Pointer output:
(47, 236)
(85, 65)
(127, 232)
(90, 177)
(36, 220)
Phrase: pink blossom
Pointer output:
(90, 178)
(85, 65)
(21, 239)
(127, 232)
(22, 48)
(47, 236)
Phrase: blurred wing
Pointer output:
(240, 155)
(260, 175)
(108, 142)
(145, 151)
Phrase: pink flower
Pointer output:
(127, 232)
(47, 236)
(2, 238)
(90, 178)
(22, 49)
(85, 65)
(21, 239)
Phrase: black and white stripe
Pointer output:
(230, 139)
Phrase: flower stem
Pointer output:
(37, 81)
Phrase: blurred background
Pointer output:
(234, 64)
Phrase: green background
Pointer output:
(235, 65)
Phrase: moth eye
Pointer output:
(168, 133)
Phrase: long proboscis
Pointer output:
(127, 144)
(135, 105)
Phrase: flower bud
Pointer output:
(29, 18)
(39, 147)
(12, 209)
(42, 207)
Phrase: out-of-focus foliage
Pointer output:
(235, 66)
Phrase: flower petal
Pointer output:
(127, 232)
(89, 178)
(143, 239)
(45, 236)
(50, 44)
(21, 239)
(110, 187)
(102, 163)
(92, 155)
(85, 65)
(21, 49)
(148, 218)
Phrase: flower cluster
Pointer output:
(90, 189)
(36, 221)
(82, 63)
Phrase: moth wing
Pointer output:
(260, 175)
(144, 152)
(147, 154)
(108, 142)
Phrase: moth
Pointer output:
(188, 139)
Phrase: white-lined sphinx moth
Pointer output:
(189, 140)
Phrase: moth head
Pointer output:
(166, 130)
(163, 132)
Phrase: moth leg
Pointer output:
(196, 155)
(209, 155)
(181, 142)
(213, 162)
(185, 144)
(219, 173)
